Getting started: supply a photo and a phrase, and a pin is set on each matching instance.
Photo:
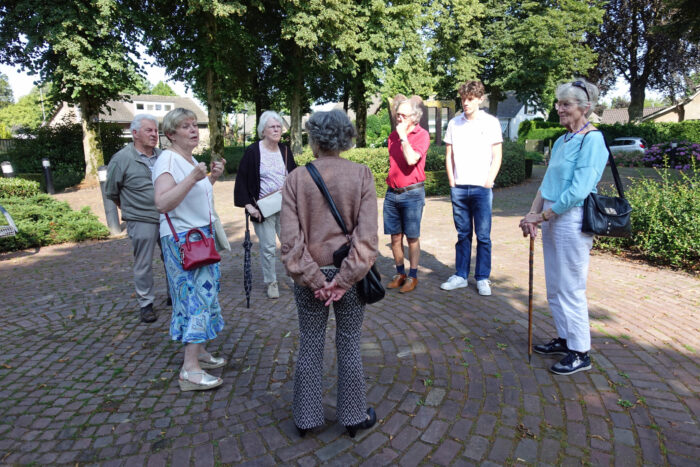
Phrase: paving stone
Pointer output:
(333, 449)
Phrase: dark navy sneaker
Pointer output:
(556, 346)
(572, 363)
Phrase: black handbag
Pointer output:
(607, 216)
(369, 288)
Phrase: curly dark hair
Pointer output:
(472, 89)
(331, 130)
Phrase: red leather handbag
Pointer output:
(196, 253)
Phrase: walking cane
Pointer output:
(529, 304)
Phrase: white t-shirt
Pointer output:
(472, 141)
(194, 211)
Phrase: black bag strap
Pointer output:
(613, 167)
(316, 176)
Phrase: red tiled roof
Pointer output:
(612, 116)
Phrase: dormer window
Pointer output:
(156, 108)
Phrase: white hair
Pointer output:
(136, 122)
(267, 115)
(574, 91)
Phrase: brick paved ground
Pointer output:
(82, 381)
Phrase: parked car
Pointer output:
(628, 144)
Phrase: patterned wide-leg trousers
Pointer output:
(307, 407)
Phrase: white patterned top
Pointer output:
(272, 170)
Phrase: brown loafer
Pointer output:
(396, 281)
(410, 284)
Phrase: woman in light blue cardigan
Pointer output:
(577, 163)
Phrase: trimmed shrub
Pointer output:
(512, 166)
(665, 220)
(18, 188)
(41, 220)
(652, 132)
(377, 159)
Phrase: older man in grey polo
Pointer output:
(130, 186)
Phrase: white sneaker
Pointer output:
(484, 287)
(454, 282)
(273, 290)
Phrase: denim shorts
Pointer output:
(403, 212)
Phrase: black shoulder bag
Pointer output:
(369, 288)
(607, 216)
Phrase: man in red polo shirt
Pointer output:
(405, 195)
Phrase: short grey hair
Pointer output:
(139, 118)
(267, 115)
(331, 131)
(574, 91)
(174, 118)
(416, 106)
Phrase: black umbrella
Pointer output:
(247, 271)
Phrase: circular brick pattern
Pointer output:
(83, 381)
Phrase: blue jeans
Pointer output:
(403, 212)
(471, 209)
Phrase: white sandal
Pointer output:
(209, 362)
(207, 382)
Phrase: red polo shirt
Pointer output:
(400, 173)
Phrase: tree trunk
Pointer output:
(637, 92)
(91, 140)
(495, 97)
(295, 104)
(216, 135)
(360, 105)
(214, 99)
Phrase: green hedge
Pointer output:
(232, 154)
(377, 159)
(41, 220)
(652, 132)
(63, 146)
(665, 220)
(18, 188)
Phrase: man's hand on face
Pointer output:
(402, 128)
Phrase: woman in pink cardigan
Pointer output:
(309, 237)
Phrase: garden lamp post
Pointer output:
(7, 170)
(111, 213)
(46, 165)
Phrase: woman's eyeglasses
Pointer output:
(564, 105)
(404, 115)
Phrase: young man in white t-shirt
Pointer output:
(473, 158)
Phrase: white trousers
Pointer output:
(566, 254)
(268, 231)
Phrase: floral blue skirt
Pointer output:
(196, 311)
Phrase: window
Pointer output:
(167, 107)
(139, 106)
(149, 107)
(158, 107)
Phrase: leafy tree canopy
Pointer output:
(28, 111)
(635, 44)
(162, 89)
(85, 48)
(6, 96)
